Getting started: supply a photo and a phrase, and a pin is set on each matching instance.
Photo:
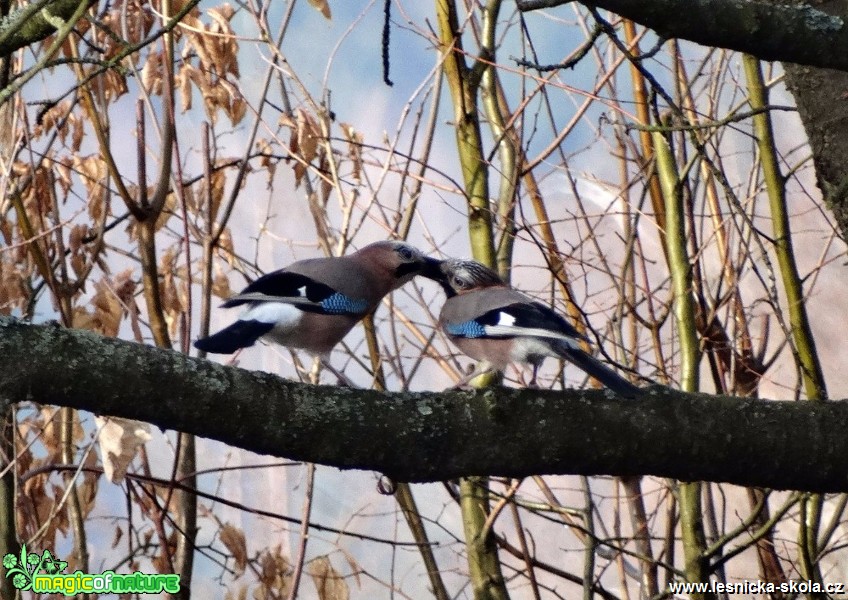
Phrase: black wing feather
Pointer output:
(285, 284)
(240, 334)
(594, 368)
(532, 315)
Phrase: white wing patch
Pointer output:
(505, 320)
(281, 314)
(495, 330)
(301, 291)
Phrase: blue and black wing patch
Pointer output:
(466, 329)
(339, 304)
(313, 296)
(520, 319)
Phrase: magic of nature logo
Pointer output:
(42, 573)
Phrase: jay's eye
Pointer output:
(405, 253)
(459, 283)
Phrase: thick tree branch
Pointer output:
(34, 22)
(796, 33)
(433, 436)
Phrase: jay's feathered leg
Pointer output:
(533, 383)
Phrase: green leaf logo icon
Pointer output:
(21, 569)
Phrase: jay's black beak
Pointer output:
(428, 267)
(432, 269)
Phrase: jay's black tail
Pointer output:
(240, 334)
(594, 368)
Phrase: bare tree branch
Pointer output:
(796, 33)
(433, 436)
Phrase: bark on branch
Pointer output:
(34, 22)
(788, 32)
(433, 436)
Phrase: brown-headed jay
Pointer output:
(312, 304)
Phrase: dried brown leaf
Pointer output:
(73, 563)
(223, 14)
(160, 562)
(238, 109)
(34, 490)
(114, 85)
(88, 486)
(326, 183)
(108, 309)
(124, 287)
(167, 211)
(84, 319)
(120, 440)
(171, 303)
(323, 6)
(178, 5)
(13, 290)
(135, 24)
(219, 180)
(329, 582)
(233, 538)
(38, 200)
(78, 131)
(92, 170)
(196, 41)
(62, 171)
(132, 230)
(6, 230)
(116, 539)
(59, 522)
(214, 98)
(308, 134)
(267, 160)
(354, 149)
(190, 199)
(51, 118)
(223, 45)
(75, 237)
(225, 247)
(221, 284)
(355, 567)
(78, 266)
(275, 573)
(182, 81)
(241, 593)
(51, 431)
(304, 142)
(152, 73)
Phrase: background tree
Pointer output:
(657, 192)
